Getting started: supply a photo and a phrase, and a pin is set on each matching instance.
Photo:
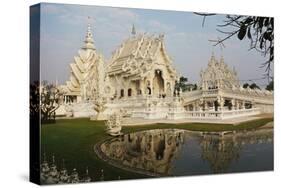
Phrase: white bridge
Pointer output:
(212, 104)
(253, 95)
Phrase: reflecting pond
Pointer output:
(174, 152)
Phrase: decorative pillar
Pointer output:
(232, 104)
(221, 103)
(142, 88)
(243, 104)
(151, 87)
(253, 104)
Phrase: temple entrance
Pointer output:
(158, 83)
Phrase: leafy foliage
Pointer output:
(50, 99)
(34, 100)
(181, 84)
(252, 86)
(259, 30)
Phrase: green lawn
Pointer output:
(73, 140)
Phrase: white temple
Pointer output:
(87, 72)
(139, 79)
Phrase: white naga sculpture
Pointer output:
(113, 124)
(99, 107)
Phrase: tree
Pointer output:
(259, 30)
(254, 86)
(50, 100)
(270, 86)
(195, 87)
(246, 85)
(181, 84)
(34, 100)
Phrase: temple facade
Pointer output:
(218, 75)
(221, 95)
(141, 67)
(139, 80)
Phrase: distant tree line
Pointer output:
(269, 87)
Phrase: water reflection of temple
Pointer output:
(152, 151)
(156, 151)
(221, 152)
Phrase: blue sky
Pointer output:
(63, 29)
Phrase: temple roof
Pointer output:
(219, 74)
(136, 55)
(83, 66)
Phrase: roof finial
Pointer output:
(133, 30)
(213, 54)
(57, 82)
(89, 42)
(222, 59)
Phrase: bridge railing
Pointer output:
(222, 114)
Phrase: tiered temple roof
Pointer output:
(218, 75)
(136, 55)
(83, 79)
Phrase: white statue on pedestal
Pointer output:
(113, 124)
(99, 107)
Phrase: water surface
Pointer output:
(174, 152)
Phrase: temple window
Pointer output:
(122, 93)
(129, 92)
(148, 90)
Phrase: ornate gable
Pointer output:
(218, 75)
(137, 55)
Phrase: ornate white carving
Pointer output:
(218, 75)
(113, 124)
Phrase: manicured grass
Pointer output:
(203, 126)
(73, 140)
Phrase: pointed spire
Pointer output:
(212, 59)
(57, 82)
(222, 60)
(234, 71)
(53, 159)
(89, 42)
(87, 178)
(213, 54)
(133, 30)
